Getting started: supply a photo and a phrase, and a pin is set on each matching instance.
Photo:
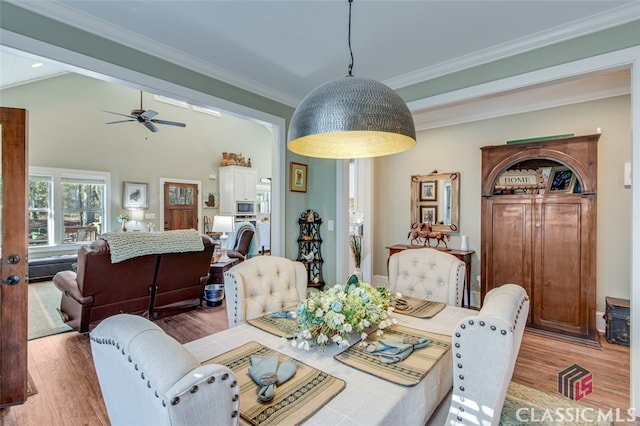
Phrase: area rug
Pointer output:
(407, 372)
(528, 406)
(296, 400)
(44, 320)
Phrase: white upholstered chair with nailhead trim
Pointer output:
(484, 350)
(429, 274)
(263, 284)
(148, 378)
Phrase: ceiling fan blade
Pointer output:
(117, 113)
(148, 114)
(120, 121)
(170, 123)
(149, 125)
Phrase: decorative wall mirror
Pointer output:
(434, 199)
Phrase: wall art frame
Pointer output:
(297, 177)
(135, 195)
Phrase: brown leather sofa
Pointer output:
(152, 285)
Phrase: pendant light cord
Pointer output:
(349, 41)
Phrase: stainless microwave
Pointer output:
(245, 208)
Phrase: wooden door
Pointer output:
(13, 239)
(180, 206)
(507, 242)
(563, 300)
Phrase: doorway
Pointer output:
(180, 204)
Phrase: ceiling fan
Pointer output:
(145, 117)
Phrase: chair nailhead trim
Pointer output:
(493, 328)
(235, 397)
(194, 389)
(481, 323)
(457, 334)
(225, 376)
(233, 384)
(211, 379)
(503, 332)
(175, 401)
(234, 414)
(462, 388)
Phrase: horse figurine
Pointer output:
(439, 237)
(420, 236)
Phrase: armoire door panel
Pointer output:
(560, 293)
(509, 244)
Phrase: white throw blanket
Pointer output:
(126, 245)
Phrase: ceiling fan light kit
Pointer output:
(144, 117)
(351, 118)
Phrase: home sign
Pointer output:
(519, 179)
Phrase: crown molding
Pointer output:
(612, 18)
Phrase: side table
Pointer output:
(465, 256)
(216, 270)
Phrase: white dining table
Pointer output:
(366, 399)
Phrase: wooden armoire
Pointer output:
(542, 234)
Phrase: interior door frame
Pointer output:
(162, 182)
(13, 298)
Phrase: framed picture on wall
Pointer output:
(297, 177)
(134, 195)
(428, 190)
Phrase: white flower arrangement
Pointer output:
(343, 310)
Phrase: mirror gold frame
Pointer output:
(434, 198)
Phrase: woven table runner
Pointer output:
(281, 327)
(420, 308)
(408, 372)
(296, 400)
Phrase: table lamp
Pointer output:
(223, 224)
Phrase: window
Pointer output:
(40, 214)
(66, 206)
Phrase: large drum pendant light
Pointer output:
(351, 118)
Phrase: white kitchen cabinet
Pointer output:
(236, 184)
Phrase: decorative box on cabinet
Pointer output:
(236, 184)
(618, 321)
(544, 241)
(309, 242)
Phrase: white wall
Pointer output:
(67, 129)
(456, 148)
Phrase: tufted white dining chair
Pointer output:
(263, 284)
(148, 378)
(427, 273)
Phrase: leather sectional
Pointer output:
(153, 285)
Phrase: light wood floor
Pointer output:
(69, 394)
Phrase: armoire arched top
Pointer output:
(579, 153)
